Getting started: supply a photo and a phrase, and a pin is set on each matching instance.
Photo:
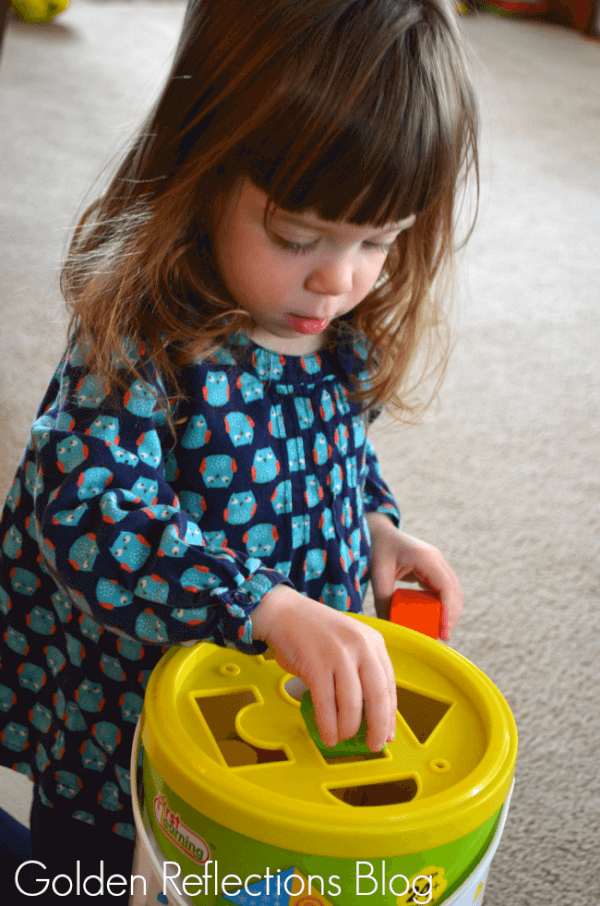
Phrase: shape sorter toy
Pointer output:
(234, 784)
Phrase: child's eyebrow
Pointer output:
(298, 219)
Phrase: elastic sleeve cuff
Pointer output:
(388, 509)
(239, 604)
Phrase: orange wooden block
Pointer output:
(417, 610)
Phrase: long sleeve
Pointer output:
(113, 532)
(120, 537)
(377, 496)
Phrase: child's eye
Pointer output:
(296, 248)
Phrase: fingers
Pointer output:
(356, 675)
(344, 663)
(367, 682)
(383, 580)
(323, 694)
(431, 569)
(447, 586)
(349, 700)
(397, 556)
(380, 703)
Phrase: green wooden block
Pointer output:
(356, 745)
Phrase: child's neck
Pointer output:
(292, 346)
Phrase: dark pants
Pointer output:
(60, 842)
(15, 845)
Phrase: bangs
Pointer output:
(336, 144)
(347, 181)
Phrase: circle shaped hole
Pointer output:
(295, 688)
(439, 765)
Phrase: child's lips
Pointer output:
(306, 325)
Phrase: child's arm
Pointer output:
(114, 534)
(343, 662)
(395, 555)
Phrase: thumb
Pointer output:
(383, 580)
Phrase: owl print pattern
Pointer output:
(117, 541)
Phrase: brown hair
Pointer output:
(361, 110)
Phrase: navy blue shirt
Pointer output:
(118, 540)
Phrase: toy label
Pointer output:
(426, 887)
(179, 833)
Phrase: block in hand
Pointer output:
(417, 610)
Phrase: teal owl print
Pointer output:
(139, 520)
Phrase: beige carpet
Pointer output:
(504, 475)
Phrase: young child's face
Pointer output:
(301, 273)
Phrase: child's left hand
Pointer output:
(395, 555)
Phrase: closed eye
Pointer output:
(296, 248)
(299, 248)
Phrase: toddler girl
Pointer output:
(262, 275)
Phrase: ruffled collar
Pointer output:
(342, 360)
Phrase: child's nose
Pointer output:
(334, 278)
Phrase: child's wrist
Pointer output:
(376, 516)
(270, 610)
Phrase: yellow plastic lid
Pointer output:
(224, 732)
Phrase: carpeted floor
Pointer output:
(503, 476)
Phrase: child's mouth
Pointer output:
(306, 325)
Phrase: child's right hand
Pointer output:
(343, 662)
